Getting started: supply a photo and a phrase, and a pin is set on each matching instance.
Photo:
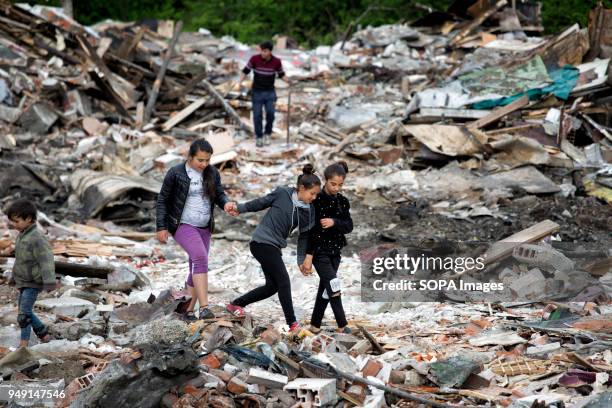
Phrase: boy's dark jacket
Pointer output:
(173, 195)
(34, 265)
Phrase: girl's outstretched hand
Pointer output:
(306, 266)
(162, 236)
(231, 208)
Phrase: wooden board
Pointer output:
(182, 115)
(499, 113)
(503, 248)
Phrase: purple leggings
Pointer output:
(196, 242)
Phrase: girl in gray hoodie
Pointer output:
(289, 208)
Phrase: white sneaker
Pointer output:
(267, 139)
(259, 142)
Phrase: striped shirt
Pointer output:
(264, 72)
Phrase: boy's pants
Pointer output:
(260, 100)
(26, 318)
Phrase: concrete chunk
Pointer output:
(318, 391)
(67, 306)
(38, 118)
(263, 377)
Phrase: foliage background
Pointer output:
(309, 22)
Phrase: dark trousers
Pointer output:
(260, 100)
(277, 280)
(327, 269)
(26, 318)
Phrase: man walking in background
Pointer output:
(265, 67)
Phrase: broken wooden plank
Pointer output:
(192, 83)
(375, 344)
(179, 117)
(340, 146)
(107, 81)
(162, 73)
(452, 113)
(82, 270)
(504, 248)
(477, 21)
(230, 111)
(129, 44)
(499, 113)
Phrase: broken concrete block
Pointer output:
(543, 257)
(496, 338)
(544, 348)
(347, 340)
(360, 348)
(237, 386)
(38, 118)
(271, 380)
(318, 391)
(67, 306)
(8, 114)
(79, 102)
(531, 284)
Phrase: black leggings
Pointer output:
(277, 280)
(327, 268)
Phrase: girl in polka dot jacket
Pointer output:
(333, 221)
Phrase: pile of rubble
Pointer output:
(463, 119)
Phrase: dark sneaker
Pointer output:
(190, 316)
(346, 330)
(206, 313)
(259, 142)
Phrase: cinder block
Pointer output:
(318, 391)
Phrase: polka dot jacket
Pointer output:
(330, 240)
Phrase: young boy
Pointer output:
(34, 268)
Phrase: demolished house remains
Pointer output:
(465, 125)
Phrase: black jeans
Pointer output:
(327, 269)
(277, 280)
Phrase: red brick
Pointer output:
(210, 361)
(371, 368)
(237, 386)
(189, 389)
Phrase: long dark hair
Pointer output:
(337, 169)
(308, 179)
(208, 175)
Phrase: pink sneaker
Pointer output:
(235, 310)
(294, 328)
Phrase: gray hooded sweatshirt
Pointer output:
(284, 215)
